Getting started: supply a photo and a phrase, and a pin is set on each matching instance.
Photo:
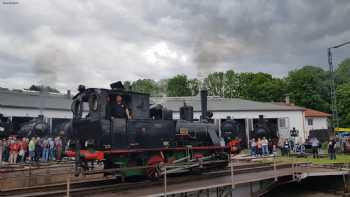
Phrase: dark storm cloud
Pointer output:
(64, 43)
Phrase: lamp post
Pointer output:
(335, 121)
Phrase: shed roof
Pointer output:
(222, 104)
(315, 113)
(26, 99)
(30, 99)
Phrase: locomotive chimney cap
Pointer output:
(81, 88)
(117, 85)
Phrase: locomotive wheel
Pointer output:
(153, 166)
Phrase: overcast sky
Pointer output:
(66, 42)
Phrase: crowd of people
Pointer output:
(20, 150)
(262, 146)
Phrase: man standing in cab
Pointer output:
(118, 109)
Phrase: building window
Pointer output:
(310, 122)
(282, 123)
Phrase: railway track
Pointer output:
(101, 185)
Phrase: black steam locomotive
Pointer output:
(149, 138)
(36, 127)
(264, 128)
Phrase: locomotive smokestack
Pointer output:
(204, 102)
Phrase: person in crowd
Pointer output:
(52, 155)
(253, 147)
(46, 150)
(38, 149)
(285, 148)
(264, 145)
(291, 145)
(31, 149)
(274, 149)
(14, 148)
(23, 149)
(270, 146)
(315, 145)
(259, 146)
(331, 149)
(10, 147)
(1, 150)
(58, 146)
(6, 150)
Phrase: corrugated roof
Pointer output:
(63, 102)
(222, 104)
(34, 100)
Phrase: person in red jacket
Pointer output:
(14, 148)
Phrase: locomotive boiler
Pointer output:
(148, 136)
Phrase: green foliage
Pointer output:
(193, 85)
(231, 84)
(343, 72)
(261, 87)
(343, 104)
(309, 87)
(178, 86)
(215, 84)
(148, 86)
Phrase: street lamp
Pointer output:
(335, 121)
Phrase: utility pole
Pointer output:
(335, 120)
(334, 110)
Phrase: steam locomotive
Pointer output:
(35, 127)
(264, 128)
(150, 138)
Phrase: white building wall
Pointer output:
(317, 123)
(292, 119)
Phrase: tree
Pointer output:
(231, 84)
(343, 104)
(215, 84)
(127, 85)
(193, 85)
(178, 86)
(309, 87)
(260, 87)
(148, 86)
(342, 73)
